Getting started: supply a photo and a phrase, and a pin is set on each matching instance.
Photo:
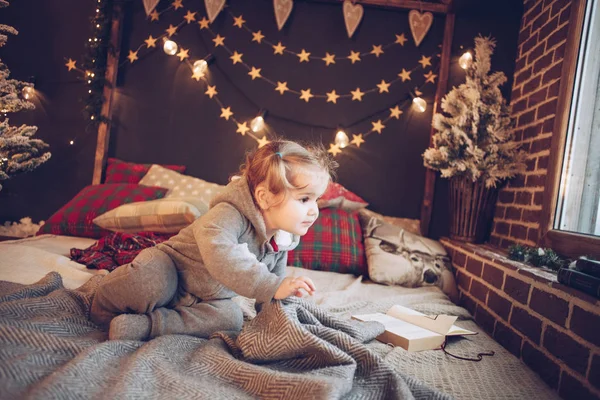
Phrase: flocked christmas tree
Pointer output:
(474, 136)
(18, 151)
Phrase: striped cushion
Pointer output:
(163, 215)
(118, 171)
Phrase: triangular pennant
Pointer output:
(150, 5)
(213, 8)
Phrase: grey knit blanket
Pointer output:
(291, 350)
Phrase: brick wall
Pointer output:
(552, 328)
(541, 49)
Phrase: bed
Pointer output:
(50, 350)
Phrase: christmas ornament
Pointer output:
(150, 5)
(353, 14)
(213, 8)
(419, 25)
(283, 9)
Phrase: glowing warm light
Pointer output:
(257, 124)
(199, 67)
(420, 104)
(170, 47)
(465, 60)
(72, 142)
(341, 139)
(28, 92)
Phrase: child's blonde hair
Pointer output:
(278, 162)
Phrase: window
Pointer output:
(571, 211)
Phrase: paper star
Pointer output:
(190, 16)
(281, 87)
(71, 64)
(395, 112)
(255, 73)
(150, 42)
(226, 113)
(197, 75)
(425, 61)
(242, 128)
(262, 142)
(383, 86)
(171, 30)
(132, 56)
(378, 126)
(334, 149)
(236, 57)
(239, 21)
(354, 56)
(211, 91)
(306, 95)
(257, 36)
(357, 94)
(430, 77)
(177, 4)
(183, 54)
(401, 39)
(405, 75)
(377, 50)
(332, 97)
(219, 40)
(279, 48)
(154, 15)
(204, 22)
(357, 139)
(303, 55)
(329, 59)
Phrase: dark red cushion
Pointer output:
(118, 171)
(75, 218)
(333, 243)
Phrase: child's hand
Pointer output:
(292, 287)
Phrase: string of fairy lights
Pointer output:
(255, 127)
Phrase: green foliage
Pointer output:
(537, 256)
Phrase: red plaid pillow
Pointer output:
(118, 171)
(75, 217)
(337, 196)
(334, 243)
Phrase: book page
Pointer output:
(442, 324)
(397, 326)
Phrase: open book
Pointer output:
(412, 330)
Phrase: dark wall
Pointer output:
(162, 115)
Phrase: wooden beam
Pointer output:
(427, 206)
(439, 8)
(112, 66)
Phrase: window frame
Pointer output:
(568, 243)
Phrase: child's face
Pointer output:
(298, 210)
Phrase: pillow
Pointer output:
(398, 257)
(334, 243)
(118, 171)
(337, 196)
(180, 185)
(163, 215)
(75, 218)
(411, 225)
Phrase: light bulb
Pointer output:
(257, 124)
(170, 47)
(420, 104)
(199, 67)
(71, 142)
(341, 139)
(28, 92)
(465, 60)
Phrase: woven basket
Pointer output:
(471, 209)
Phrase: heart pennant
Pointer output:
(353, 14)
(419, 25)
(150, 5)
(283, 9)
(213, 8)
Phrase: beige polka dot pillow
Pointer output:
(180, 185)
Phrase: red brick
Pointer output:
(508, 338)
(506, 243)
(536, 180)
(474, 266)
(479, 290)
(463, 280)
(519, 106)
(540, 145)
(550, 306)
(558, 5)
(499, 305)
(516, 93)
(529, 43)
(532, 85)
(529, 15)
(493, 275)
(594, 375)
(557, 37)
(533, 234)
(559, 53)
(543, 63)
(501, 228)
(499, 212)
(518, 231)
(547, 369)
(530, 164)
(467, 302)
(542, 163)
(538, 198)
(522, 76)
(513, 213)
(563, 347)
(531, 215)
(485, 320)
(540, 20)
(553, 73)
(536, 53)
(495, 240)
(572, 388)
(548, 126)
(549, 27)
(459, 259)
(586, 325)
(534, 130)
(548, 108)
(506, 197)
(520, 64)
(564, 16)
(527, 324)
